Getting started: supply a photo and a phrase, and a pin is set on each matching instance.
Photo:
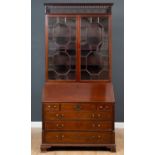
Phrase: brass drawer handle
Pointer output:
(96, 125)
(60, 125)
(105, 107)
(59, 116)
(53, 107)
(60, 137)
(98, 115)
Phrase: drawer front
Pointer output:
(78, 107)
(107, 116)
(79, 137)
(79, 125)
(50, 107)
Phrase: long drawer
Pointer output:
(104, 116)
(79, 125)
(79, 137)
(50, 107)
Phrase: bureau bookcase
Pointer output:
(78, 101)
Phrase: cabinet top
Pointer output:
(78, 8)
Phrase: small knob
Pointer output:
(49, 106)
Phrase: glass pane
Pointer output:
(94, 48)
(61, 48)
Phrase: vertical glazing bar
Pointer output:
(78, 52)
(110, 46)
(46, 47)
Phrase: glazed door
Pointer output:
(94, 48)
(61, 48)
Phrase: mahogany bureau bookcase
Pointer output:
(78, 101)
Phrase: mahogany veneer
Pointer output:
(78, 101)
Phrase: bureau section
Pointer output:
(78, 124)
(78, 116)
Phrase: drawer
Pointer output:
(50, 107)
(79, 137)
(78, 106)
(106, 115)
(79, 125)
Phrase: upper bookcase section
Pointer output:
(78, 8)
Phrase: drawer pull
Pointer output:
(98, 125)
(60, 125)
(60, 137)
(101, 107)
(59, 116)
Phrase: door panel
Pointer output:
(61, 48)
(94, 48)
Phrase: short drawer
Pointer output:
(79, 137)
(107, 116)
(79, 125)
(78, 106)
